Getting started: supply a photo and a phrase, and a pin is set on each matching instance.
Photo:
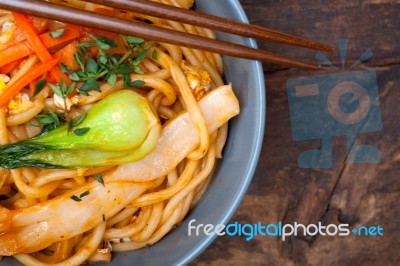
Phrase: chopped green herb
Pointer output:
(140, 56)
(90, 84)
(98, 41)
(74, 76)
(123, 69)
(64, 68)
(81, 131)
(112, 79)
(104, 43)
(138, 70)
(78, 120)
(154, 55)
(39, 86)
(62, 90)
(134, 40)
(108, 67)
(76, 198)
(56, 89)
(50, 120)
(79, 60)
(84, 194)
(57, 33)
(137, 83)
(99, 178)
(91, 66)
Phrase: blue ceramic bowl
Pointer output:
(235, 170)
(240, 156)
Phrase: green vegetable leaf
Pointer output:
(70, 89)
(90, 84)
(82, 75)
(84, 194)
(64, 68)
(137, 83)
(138, 70)
(78, 120)
(84, 45)
(74, 76)
(81, 131)
(102, 58)
(56, 90)
(101, 42)
(91, 65)
(112, 79)
(154, 55)
(76, 198)
(57, 33)
(123, 69)
(51, 120)
(99, 178)
(134, 40)
(62, 90)
(140, 56)
(104, 43)
(79, 60)
(100, 140)
(39, 86)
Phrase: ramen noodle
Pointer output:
(68, 207)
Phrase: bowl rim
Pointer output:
(196, 251)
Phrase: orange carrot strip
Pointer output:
(12, 90)
(33, 38)
(39, 24)
(66, 56)
(32, 86)
(23, 49)
(50, 79)
(10, 67)
(71, 32)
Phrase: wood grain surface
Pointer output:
(356, 194)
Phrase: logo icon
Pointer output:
(340, 104)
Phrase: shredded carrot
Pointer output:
(66, 56)
(33, 38)
(11, 91)
(23, 49)
(10, 67)
(50, 79)
(32, 86)
(39, 24)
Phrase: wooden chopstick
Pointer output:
(208, 21)
(149, 32)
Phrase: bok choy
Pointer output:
(121, 128)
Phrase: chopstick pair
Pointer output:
(129, 27)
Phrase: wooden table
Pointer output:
(356, 194)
